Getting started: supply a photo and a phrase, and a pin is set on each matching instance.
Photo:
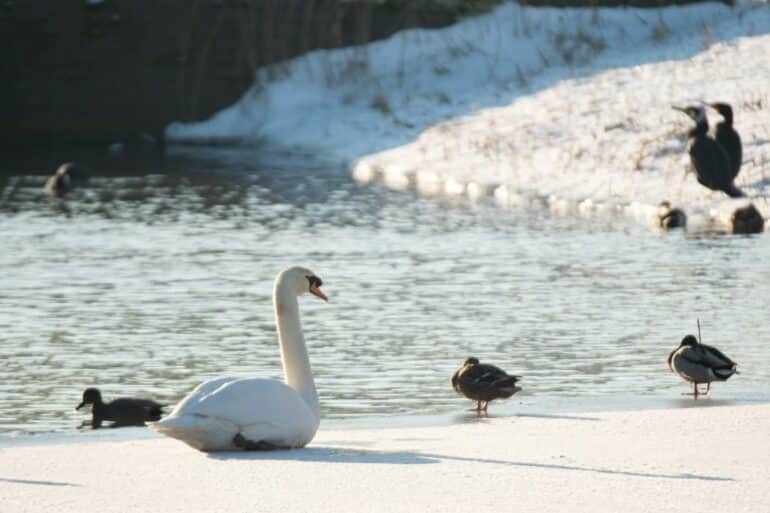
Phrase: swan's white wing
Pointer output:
(252, 400)
(258, 409)
(201, 391)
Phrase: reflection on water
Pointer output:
(159, 275)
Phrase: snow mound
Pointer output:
(568, 107)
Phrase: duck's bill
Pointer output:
(317, 292)
(80, 406)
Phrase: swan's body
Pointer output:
(225, 414)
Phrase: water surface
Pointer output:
(159, 274)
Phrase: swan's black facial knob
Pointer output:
(314, 284)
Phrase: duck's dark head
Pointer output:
(695, 112)
(90, 396)
(471, 361)
(724, 110)
(689, 340)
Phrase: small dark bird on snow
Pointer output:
(124, 411)
(728, 138)
(698, 363)
(67, 177)
(669, 217)
(708, 157)
(483, 383)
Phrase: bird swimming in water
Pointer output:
(708, 157)
(66, 177)
(483, 383)
(669, 217)
(124, 411)
(698, 363)
(746, 220)
(727, 137)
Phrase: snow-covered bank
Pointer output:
(492, 105)
(703, 457)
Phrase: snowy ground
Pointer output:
(698, 456)
(566, 107)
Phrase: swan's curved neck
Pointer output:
(296, 364)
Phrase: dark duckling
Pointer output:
(698, 363)
(124, 411)
(483, 383)
(708, 157)
(669, 217)
(68, 176)
(746, 220)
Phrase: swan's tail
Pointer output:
(198, 431)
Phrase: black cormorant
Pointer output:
(710, 160)
(726, 135)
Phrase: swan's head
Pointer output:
(90, 396)
(305, 280)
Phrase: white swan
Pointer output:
(227, 414)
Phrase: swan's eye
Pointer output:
(314, 281)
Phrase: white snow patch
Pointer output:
(569, 107)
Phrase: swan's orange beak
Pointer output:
(317, 292)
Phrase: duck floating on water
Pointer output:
(124, 411)
(671, 217)
(698, 363)
(67, 177)
(746, 220)
(483, 383)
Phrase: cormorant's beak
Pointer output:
(80, 405)
(317, 292)
(680, 109)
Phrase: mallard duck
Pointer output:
(746, 220)
(698, 363)
(670, 217)
(483, 383)
(124, 411)
(66, 177)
